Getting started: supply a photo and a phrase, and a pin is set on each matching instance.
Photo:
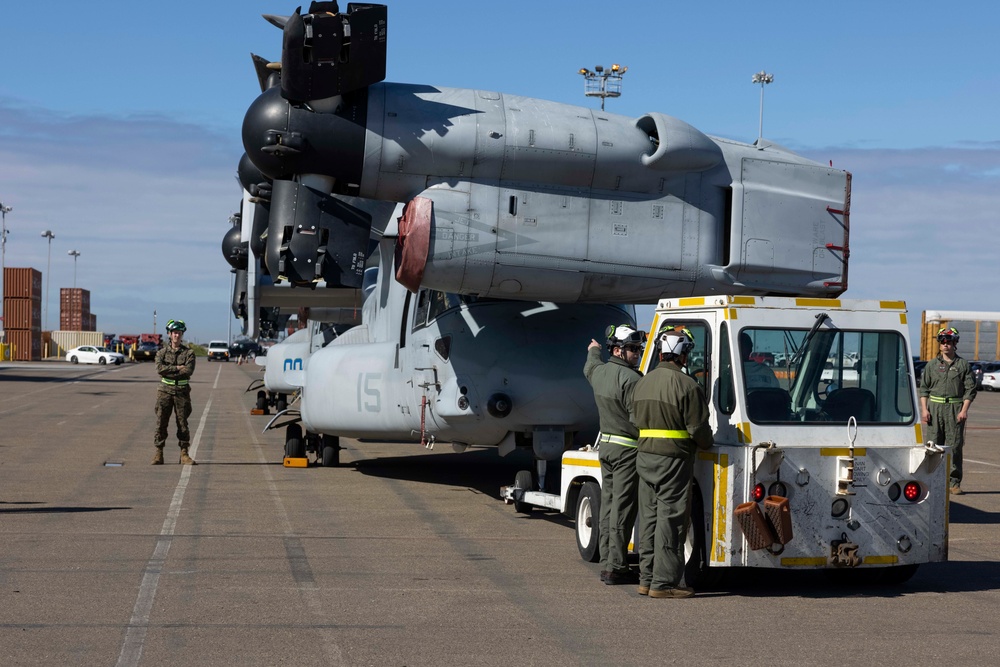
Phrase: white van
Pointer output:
(218, 350)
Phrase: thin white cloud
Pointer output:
(145, 200)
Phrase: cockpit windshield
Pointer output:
(824, 375)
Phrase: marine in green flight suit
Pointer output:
(671, 412)
(947, 389)
(613, 383)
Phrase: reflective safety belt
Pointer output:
(174, 383)
(622, 440)
(663, 433)
(942, 399)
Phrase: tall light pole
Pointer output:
(4, 210)
(74, 254)
(47, 234)
(763, 78)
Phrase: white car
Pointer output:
(991, 376)
(91, 354)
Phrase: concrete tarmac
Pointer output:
(401, 556)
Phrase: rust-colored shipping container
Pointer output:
(22, 283)
(22, 314)
(74, 299)
(75, 312)
(73, 322)
(25, 345)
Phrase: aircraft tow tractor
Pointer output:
(819, 459)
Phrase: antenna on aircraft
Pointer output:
(763, 78)
(603, 83)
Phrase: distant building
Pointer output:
(980, 334)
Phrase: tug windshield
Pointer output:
(827, 375)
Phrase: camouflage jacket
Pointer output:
(167, 360)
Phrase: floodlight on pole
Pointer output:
(763, 78)
(74, 254)
(602, 82)
(4, 210)
(47, 234)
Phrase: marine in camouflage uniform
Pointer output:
(947, 389)
(175, 365)
(671, 412)
(613, 383)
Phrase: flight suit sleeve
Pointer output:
(593, 361)
(628, 394)
(697, 419)
(969, 384)
(924, 390)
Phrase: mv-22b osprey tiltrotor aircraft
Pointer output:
(492, 197)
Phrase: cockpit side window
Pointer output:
(432, 303)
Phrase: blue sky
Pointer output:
(120, 122)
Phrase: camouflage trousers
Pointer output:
(180, 405)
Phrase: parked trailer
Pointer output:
(827, 470)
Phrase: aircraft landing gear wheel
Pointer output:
(330, 451)
(523, 480)
(261, 400)
(281, 403)
(295, 446)
(588, 512)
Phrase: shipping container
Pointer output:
(63, 341)
(979, 334)
(22, 283)
(20, 313)
(25, 345)
(74, 299)
(73, 322)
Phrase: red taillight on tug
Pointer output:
(759, 492)
(911, 491)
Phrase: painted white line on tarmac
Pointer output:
(135, 635)
(982, 463)
(312, 595)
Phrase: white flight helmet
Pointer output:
(675, 341)
(623, 334)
